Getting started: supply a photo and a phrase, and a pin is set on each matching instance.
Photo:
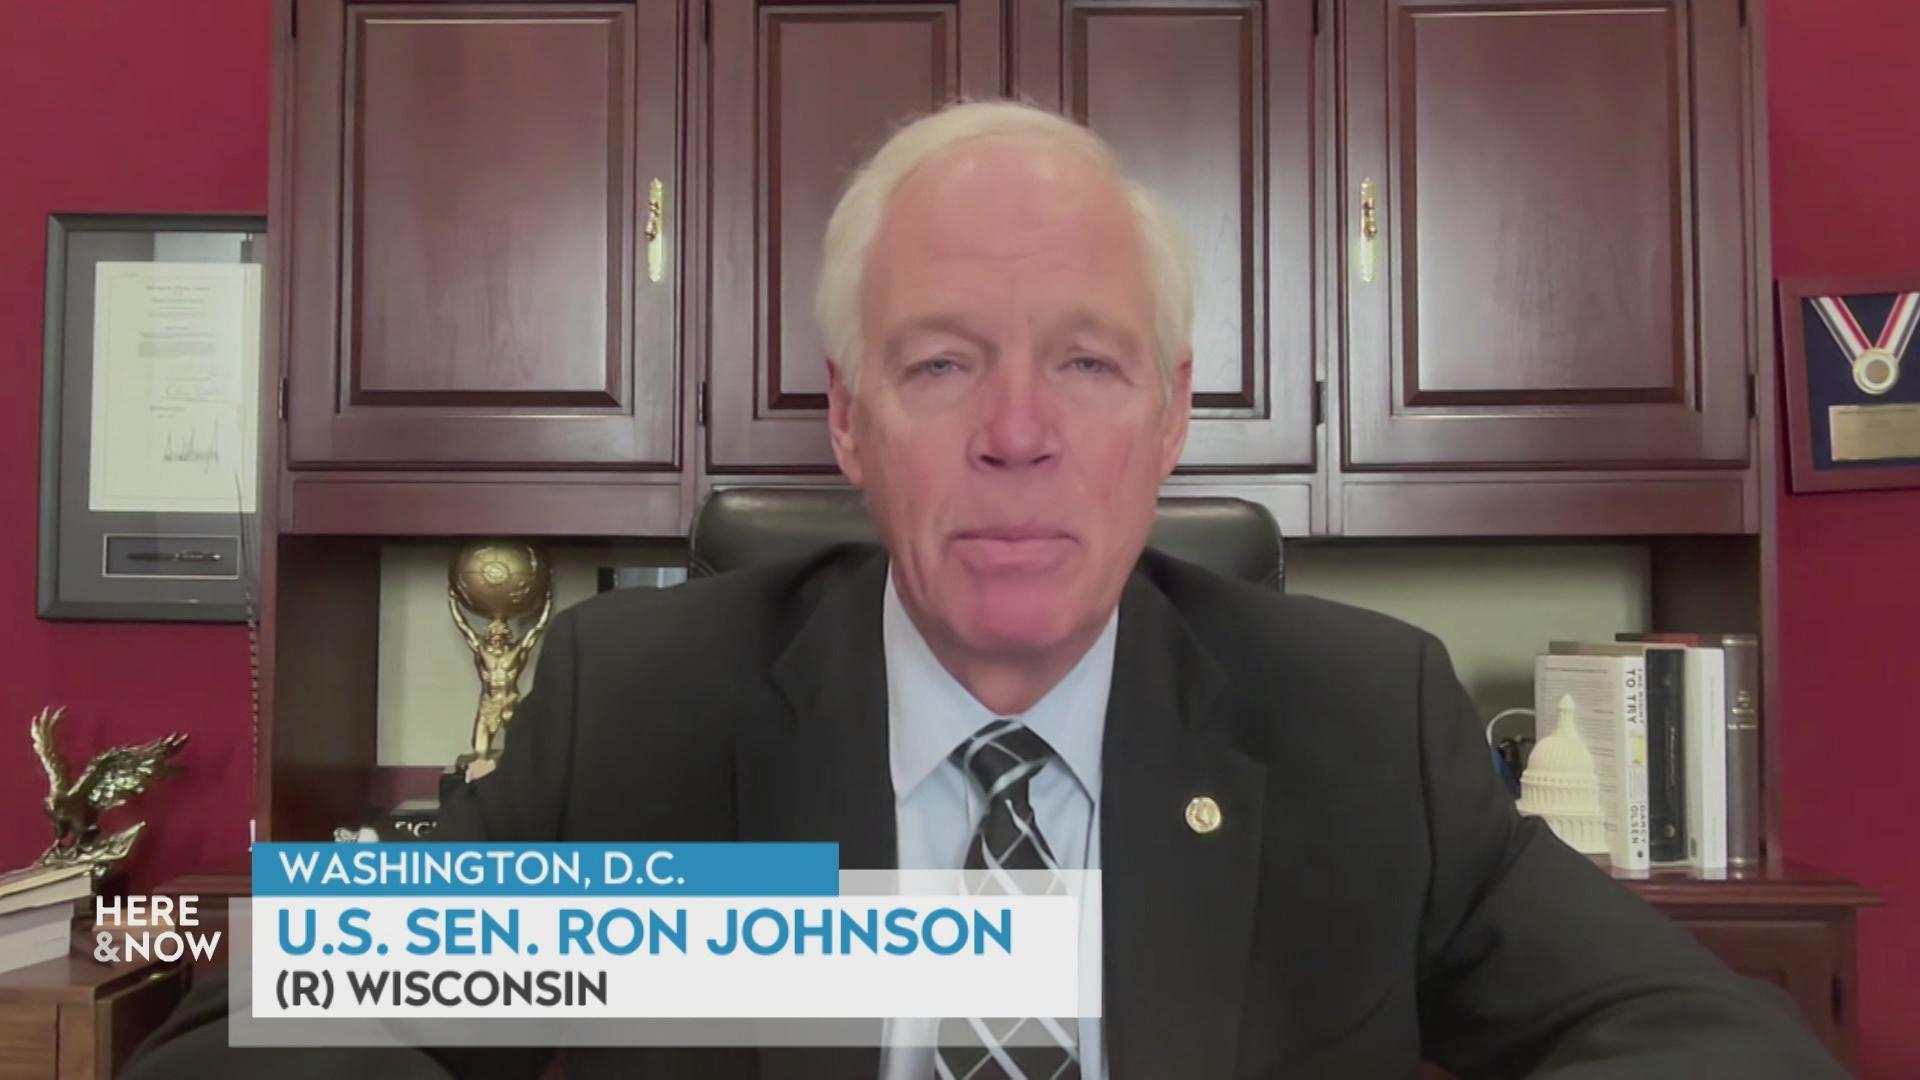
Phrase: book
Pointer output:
(1706, 759)
(1609, 708)
(1665, 713)
(38, 952)
(35, 935)
(35, 886)
(1740, 654)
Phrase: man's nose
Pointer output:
(1018, 429)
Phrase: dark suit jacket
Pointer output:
(1370, 898)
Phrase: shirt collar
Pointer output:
(929, 713)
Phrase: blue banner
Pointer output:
(417, 868)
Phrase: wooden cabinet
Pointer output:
(802, 92)
(1549, 329)
(1557, 200)
(73, 1018)
(467, 245)
(1790, 927)
(1213, 106)
(1557, 297)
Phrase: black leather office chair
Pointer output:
(746, 525)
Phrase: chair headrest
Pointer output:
(743, 526)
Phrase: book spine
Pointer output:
(1666, 755)
(1706, 749)
(1715, 752)
(1634, 723)
(1743, 752)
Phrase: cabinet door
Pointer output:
(1559, 270)
(469, 272)
(1211, 105)
(802, 93)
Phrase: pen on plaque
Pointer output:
(176, 556)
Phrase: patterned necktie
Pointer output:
(1002, 759)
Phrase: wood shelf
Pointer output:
(1788, 885)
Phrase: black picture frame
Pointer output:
(130, 565)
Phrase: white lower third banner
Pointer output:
(425, 932)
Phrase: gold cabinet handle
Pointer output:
(656, 230)
(1369, 230)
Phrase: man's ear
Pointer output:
(1179, 412)
(840, 423)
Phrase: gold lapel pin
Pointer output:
(1203, 815)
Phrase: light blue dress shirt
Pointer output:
(937, 807)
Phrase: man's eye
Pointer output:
(936, 366)
(1090, 365)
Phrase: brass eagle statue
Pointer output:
(108, 781)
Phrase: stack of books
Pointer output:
(36, 913)
(1671, 723)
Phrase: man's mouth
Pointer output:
(1012, 548)
(1013, 534)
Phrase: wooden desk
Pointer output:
(76, 1019)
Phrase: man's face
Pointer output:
(1009, 426)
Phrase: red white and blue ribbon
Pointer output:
(1876, 360)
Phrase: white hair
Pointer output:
(856, 220)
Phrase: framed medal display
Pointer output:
(1853, 399)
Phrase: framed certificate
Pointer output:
(1853, 385)
(150, 417)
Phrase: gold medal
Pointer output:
(1875, 371)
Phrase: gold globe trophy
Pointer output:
(499, 581)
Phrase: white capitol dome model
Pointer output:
(1560, 785)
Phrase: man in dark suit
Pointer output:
(1310, 868)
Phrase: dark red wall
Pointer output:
(107, 105)
(113, 105)
(1845, 125)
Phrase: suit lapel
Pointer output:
(1179, 904)
(820, 771)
